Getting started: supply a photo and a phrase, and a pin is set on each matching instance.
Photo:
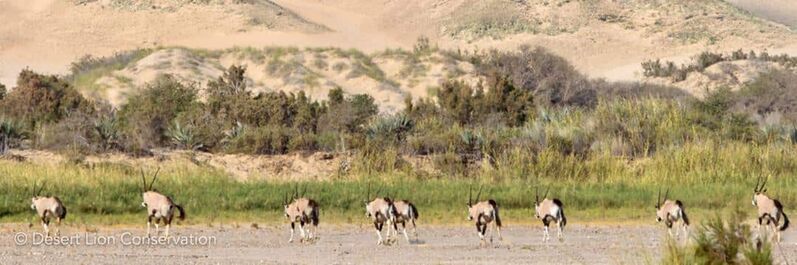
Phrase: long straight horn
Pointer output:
(284, 198)
(368, 192)
(479, 195)
(546, 193)
(470, 195)
(154, 177)
(41, 188)
(763, 185)
(658, 198)
(537, 194)
(757, 183)
(667, 193)
(143, 181)
(33, 190)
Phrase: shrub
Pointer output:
(147, 116)
(704, 60)
(266, 140)
(347, 115)
(772, 92)
(42, 99)
(719, 241)
(391, 129)
(75, 135)
(552, 80)
(107, 130)
(183, 136)
(11, 134)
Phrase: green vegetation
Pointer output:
(94, 192)
(719, 241)
(604, 148)
(87, 70)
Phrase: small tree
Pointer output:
(42, 99)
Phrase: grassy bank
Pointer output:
(707, 177)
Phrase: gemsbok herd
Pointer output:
(386, 212)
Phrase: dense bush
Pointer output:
(773, 93)
(531, 108)
(146, 118)
(41, 99)
(551, 79)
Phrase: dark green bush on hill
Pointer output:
(147, 116)
(41, 99)
(552, 80)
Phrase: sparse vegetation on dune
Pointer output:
(706, 59)
(670, 22)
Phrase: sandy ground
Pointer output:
(584, 244)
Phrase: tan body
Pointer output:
(405, 212)
(771, 212)
(551, 210)
(160, 208)
(381, 211)
(304, 211)
(484, 213)
(48, 208)
(671, 212)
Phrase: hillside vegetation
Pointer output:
(388, 76)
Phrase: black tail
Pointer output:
(497, 216)
(63, 213)
(314, 216)
(779, 206)
(785, 221)
(683, 212)
(413, 211)
(561, 205)
(182, 212)
(564, 219)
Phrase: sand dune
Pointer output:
(602, 39)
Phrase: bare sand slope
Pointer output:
(356, 245)
(781, 11)
(600, 38)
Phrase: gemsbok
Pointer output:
(671, 212)
(48, 207)
(484, 213)
(159, 207)
(550, 210)
(405, 212)
(381, 212)
(304, 211)
(769, 210)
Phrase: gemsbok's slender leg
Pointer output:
(293, 228)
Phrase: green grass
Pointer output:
(708, 179)
(88, 70)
